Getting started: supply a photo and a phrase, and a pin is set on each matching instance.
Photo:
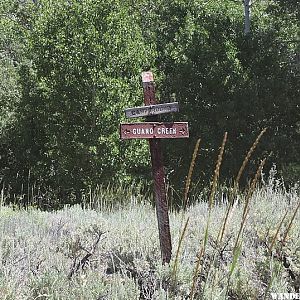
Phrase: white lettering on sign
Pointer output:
(160, 131)
(151, 110)
(152, 130)
(139, 131)
(166, 130)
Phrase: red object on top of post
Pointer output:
(149, 91)
(147, 77)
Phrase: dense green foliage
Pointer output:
(226, 81)
(69, 68)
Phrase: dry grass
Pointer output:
(233, 194)
(211, 199)
(40, 249)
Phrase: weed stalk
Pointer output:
(175, 268)
(201, 252)
(189, 177)
(290, 225)
(236, 184)
(238, 244)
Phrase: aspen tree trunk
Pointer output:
(247, 4)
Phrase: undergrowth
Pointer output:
(83, 253)
(227, 243)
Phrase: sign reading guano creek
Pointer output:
(152, 130)
(151, 110)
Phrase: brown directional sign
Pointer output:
(150, 110)
(154, 130)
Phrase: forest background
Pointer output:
(69, 69)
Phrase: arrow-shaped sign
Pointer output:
(152, 130)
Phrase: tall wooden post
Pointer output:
(154, 131)
(158, 175)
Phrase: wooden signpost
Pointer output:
(154, 131)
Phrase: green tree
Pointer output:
(71, 67)
(228, 81)
(14, 24)
(86, 57)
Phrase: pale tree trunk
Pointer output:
(247, 5)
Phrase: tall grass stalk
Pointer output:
(196, 273)
(185, 204)
(269, 286)
(270, 253)
(283, 240)
(248, 198)
(245, 162)
(216, 174)
(214, 184)
(217, 247)
(277, 232)
(175, 268)
(189, 177)
(273, 243)
(236, 184)
(238, 244)
(290, 224)
(232, 196)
